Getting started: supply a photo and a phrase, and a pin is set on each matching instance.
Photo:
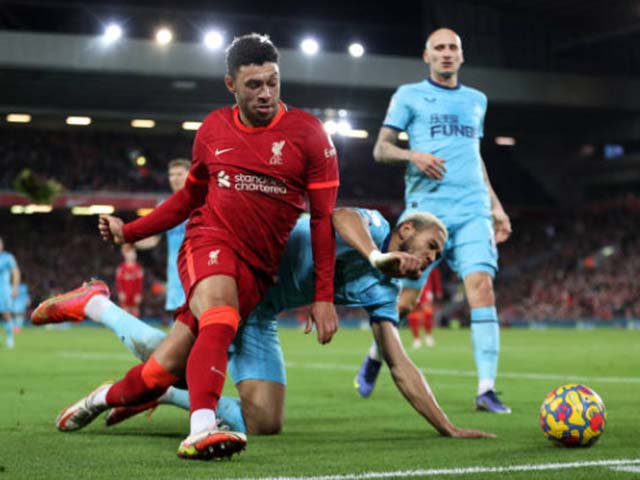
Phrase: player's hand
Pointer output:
(400, 264)
(468, 433)
(111, 229)
(324, 315)
(14, 291)
(501, 224)
(428, 164)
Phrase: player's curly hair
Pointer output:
(423, 220)
(250, 49)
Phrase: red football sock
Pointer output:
(428, 322)
(207, 363)
(414, 324)
(141, 384)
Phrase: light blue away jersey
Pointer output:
(175, 293)
(448, 123)
(357, 283)
(7, 263)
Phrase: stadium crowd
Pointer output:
(557, 265)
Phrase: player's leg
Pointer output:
(256, 365)
(474, 258)
(427, 317)
(8, 329)
(91, 300)
(143, 383)
(414, 318)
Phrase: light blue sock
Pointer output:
(139, 338)
(485, 335)
(230, 410)
(176, 396)
(19, 320)
(8, 329)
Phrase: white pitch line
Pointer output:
(100, 356)
(462, 471)
(471, 373)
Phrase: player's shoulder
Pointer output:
(409, 89)
(213, 118)
(302, 118)
(474, 93)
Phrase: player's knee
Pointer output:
(263, 422)
(480, 290)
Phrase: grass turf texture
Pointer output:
(328, 430)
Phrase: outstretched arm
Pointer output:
(412, 383)
(172, 212)
(355, 232)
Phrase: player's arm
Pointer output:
(412, 383)
(501, 221)
(322, 190)
(168, 214)
(147, 243)
(15, 280)
(353, 229)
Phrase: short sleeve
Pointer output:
(399, 113)
(322, 169)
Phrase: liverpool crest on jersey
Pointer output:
(276, 153)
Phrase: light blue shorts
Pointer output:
(471, 248)
(256, 353)
(175, 296)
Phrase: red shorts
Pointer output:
(201, 257)
(129, 300)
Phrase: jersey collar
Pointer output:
(444, 87)
(274, 121)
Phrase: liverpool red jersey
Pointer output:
(257, 179)
(129, 279)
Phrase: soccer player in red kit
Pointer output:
(252, 166)
(130, 281)
(422, 313)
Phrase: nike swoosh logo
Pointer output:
(430, 100)
(225, 150)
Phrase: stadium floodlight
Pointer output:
(143, 123)
(164, 36)
(342, 113)
(309, 46)
(78, 121)
(213, 40)
(344, 127)
(506, 141)
(356, 50)
(190, 125)
(331, 127)
(141, 161)
(112, 33)
(18, 118)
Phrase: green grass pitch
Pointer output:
(328, 430)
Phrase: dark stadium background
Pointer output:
(561, 77)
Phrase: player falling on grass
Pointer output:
(446, 175)
(256, 362)
(252, 166)
(178, 169)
